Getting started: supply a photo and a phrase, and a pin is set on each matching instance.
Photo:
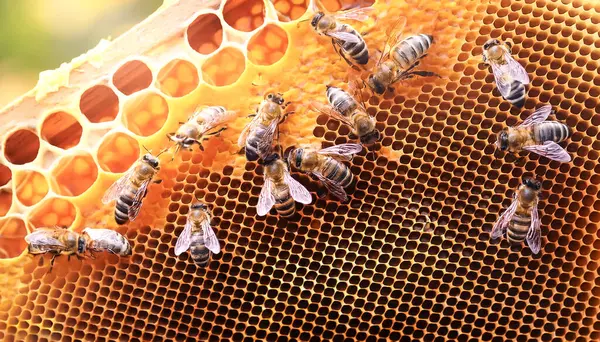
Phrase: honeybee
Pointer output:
(521, 220)
(199, 126)
(257, 137)
(344, 108)
(198, 236)
(346, 41)
(131, 188)
(56, 241)
(399, 58)
(280, 189)
(100, 240)
(327, 165)
(536, 135)
(510, 76)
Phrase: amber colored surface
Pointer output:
(409, 257)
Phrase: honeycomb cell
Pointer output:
(5, 201)
(74, 174)
(205, 33)
(21, 147)
(224, 68)
(30, 187)
(290, 10)
(53, 212)
(118, 152)
(178, 78)
(5, 175)
(62, 130)
(99, 104)
(268, 45)
(145, 113)
(132, 77)
(244, 15)
(12, 242)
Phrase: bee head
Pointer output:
(502, 141)
(294, 156)
(316, 18)
(276, 98)
(532, 183)
(151, 160)
(198, 205)
(490, 43)
(184, 141)
(81, 245)
(370, 138)
(271, 159)
(376, 85)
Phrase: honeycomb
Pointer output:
(409, 257)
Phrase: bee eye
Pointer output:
(270, 96)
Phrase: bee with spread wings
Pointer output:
(510, 76)
(198, 236)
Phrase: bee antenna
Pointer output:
(146, 149)
(163, 151)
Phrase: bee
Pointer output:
(257, 137)
(100, 240)
(280, 190)
(344, 108)
(399, 58)
(327, 165)
(521, 220)
(131, 188)
(199, 126)
(56, 241)
(346, 41)
(198, 236)
(537, 135)
(510, 76)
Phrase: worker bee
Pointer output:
(56, 241)
(327, 165)
(537, 135)
(346, 41)
(131, 188)
(198, 236)
(510, 76)
(521, 220)
(399, 58)
(100, 240)
(280, 189)
(199, 126)
(257, 137)
(344, 108)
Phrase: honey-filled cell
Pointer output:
(53, 212)
(30, 186)
(12, 234)
(118, 152)
(145, 113)
(74, 174)
(178, 78)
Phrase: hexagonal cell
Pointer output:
(146, 113)
(224, 68)
(118, 152)
(60, 129)
(12, 234)
(178, 78)
(99, 104)
(291, 9)
(30, 186)
(132, 77)
(268, 45)
(21, 147)
(74, 174)
(5, 201)
(53, 212)
(205, 34)
(340, 5)
(5, 175)
(244, 15)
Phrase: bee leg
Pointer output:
(217, 132)
(52, 262)
(41, 262)
(321, 192)
(157, 181)
(339, 52)
(251, 115)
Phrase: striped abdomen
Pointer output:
(357, 51)
(516, 97)
(200, 254)
(284, 203)
(255, 136)
(411, 49)
(337, 172)
(341, 101)
(518, 228)
(124, 202)
(551, 131)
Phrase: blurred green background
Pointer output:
(37, 35)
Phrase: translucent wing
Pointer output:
(212, 120)
(359, 14)
(540, 115)
(265, 145)
(297, 190)
(534, 235)
(550, 150)
(346, 150)
(135, 207)
(332, 113)
(266, 200)
(393, 34)
(344, 37)
(44, 239)
(244, 134)
(185, 238)
(97, 234)
(502, 77)
(516, 70)
(115, 190)
(502, 224)
(334, 188)
(210, 239)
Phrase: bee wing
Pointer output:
(266, 200)
(515, 69)
(244, 134)
(44, 239)
(213, 121)
(265, 145)
(297, 190)
(393, 34)
(210, 239)
(346, 151)
(332, 187)
(502, 77)
(345, 37)
(550, 150)
(540, 115)
(115, 190)
(135, 207)
(96, 234)
(185, 238)
(500, 226)
(359, 14)
(332, 113)
(534, 235)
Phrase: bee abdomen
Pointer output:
(338, 173)
(517, 94)
(341, 101)
(252, 143)
(285, 204)
(122, 208)
(357, 51)
(518, 228)
(551, 131)
(200, 254)
(411, 49)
